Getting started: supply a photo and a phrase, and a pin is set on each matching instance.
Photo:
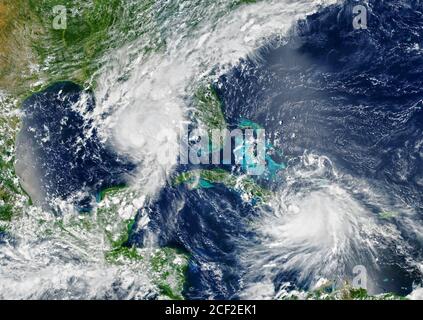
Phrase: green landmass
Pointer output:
(45, 55)
(168, 266)
(388, 215)
(208, 108)
(242, 184)
(12, 197)
(346, 292)
(103, 235)
(110, 190)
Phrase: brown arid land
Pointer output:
(18, 63)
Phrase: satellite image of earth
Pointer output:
(99, 97)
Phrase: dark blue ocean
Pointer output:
(65, 155)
